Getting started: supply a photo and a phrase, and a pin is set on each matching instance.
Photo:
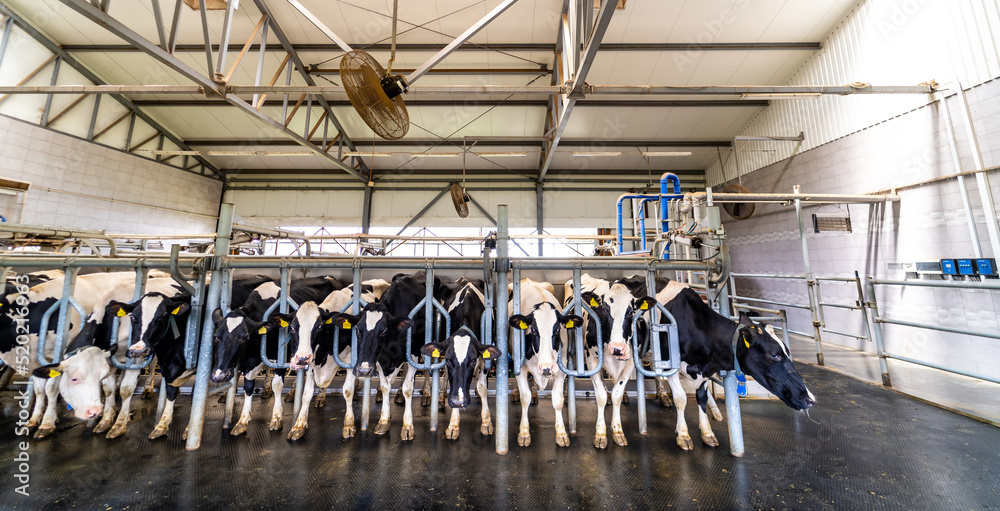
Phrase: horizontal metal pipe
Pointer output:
(756, 309)
(940, 328)
(840, 306)
(825, 198)
(95, 262)
(432, 47)
(609, 263)
(939, 283)
(835, 279)
(942, 368)
(845, 334)
(766, 276)
(796, 332)
(772, 302)
(840, 90)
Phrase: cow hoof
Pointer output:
(296, 433)
(276, 424)
(601, 441)
(406, 434)
(267, 393)
(184, 436)
(118, 429)
(685, 443)
(515, 396)
(425, 400)
(716, 416)
(524, 439)
(241, 427)
(534, 399)
(665, 401)
(378, 397)
(620, 438)
(441, 404)
(486, 429)
(146, 394)
(562, 440)
(290, 397)
(321, 400)
(103, 426)
(44, 431)
(349, 431)
(625, 398)
(451, 433)
(157, 433)
(709, 439)
(32, 424)
(382, 428)
(399, 399)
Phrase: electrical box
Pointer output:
(966, 266)
(927, 268)
(948, 267)
(987, 267)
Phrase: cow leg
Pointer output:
(385, 386)
(425, 391)
(487, 421)
(168, 413)
(348, 388)
(601, 434)
(266, 393)
(290, 396)
(663, 393)
(680, 401)
(38, 384)
(108, 416)
(444, 381)
(321, 397)
(534, 392)
(277, 383)
(407, 433)
(562, 437)
(302, 421)
(452, 432)
(524, 434)
(248, 383)
(716, 414)
(49, 418)
(230, 404)
(704, 424)
(617, 396)
(148, 387)
(515, 395)
(125, 390)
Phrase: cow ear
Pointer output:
(179, 308)
(402, 324)
(590, 298)
(119, 309)
(645, 303)
(47, 371)
(489, 352)
(326, 316)
(432, 350)
(571, 321)
(345, 320)
(745, 319)
(216, 316)
(280, 320)
(259, 327)
(519, 322)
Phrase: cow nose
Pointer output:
(810, 402)
(301, 362)
(363, 369)
(546, 370)
(219, 376)
(93, 411)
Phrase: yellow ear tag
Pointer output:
(263, 330)
(569, 324)
(328, 321)
(347, 324)
(486, 354)
(284, 324)
(53, 373)
(746, 342)
(644, 306)
(435, 353)
(120, 313)
(523, 326)
(176, 311)
(593, 302)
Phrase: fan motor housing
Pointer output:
(394, 85)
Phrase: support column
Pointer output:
(811, 282)
(502, 267)
(539, 216)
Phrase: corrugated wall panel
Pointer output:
(881, 42)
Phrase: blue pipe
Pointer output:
(666, 194)
(665, 180)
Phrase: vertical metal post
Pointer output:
(69, 284)
(284, 101)
(429, 337)
(224, 233)
(733, 415)
(131, 128)
(970, 218)
(48, 97)
(577, 362)
(640, 380)
(877, 330)
(225, 304)
(810, 281)
(502, 382)
(172, 40)
(158, 19)
(539, 216)
(982, 180)
(208, 38)
(260, 59)
(6, 36)
(366, 395)
(309, 106)
(227, 25)
(93, 117)
(366, 209)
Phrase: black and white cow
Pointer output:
(235, 345)
(465, 302)
(542, 322)
(312, 329)
(21, 323)
(706, 342)
(381, 330)
(159, 325)
(615, 307)
(637, 285)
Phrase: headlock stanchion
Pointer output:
(660, 368)
(65, 301)
(579, 369)
(130, 364)
(283, 303)
(434, 367)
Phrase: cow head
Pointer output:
(375, 328)
(306, 325)
(232, 332)
(543, 333)
(80, 378)
(763, 356)
(618, 307)
(461, 353)
(151, 317)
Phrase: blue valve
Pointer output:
(741, 384)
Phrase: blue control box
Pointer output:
(966, 266)
(948, 267)
(987, 266)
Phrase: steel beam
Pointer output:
(205, 34)
(341, 44)
(566, 101)
(158, 19)
(488, 47)
(227, 26)
(496, 103)
(461, 39)
(498, 142)
(8, 23)
(177, 65)
(89, 75)
(172, 40)
(419, 214)
(48, 98)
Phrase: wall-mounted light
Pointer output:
(781, 95)
(434, 155)
(597, 153)
(499, 155)
(666, 153)
(358, 153)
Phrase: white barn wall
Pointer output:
(76, 183)
(881, 42)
